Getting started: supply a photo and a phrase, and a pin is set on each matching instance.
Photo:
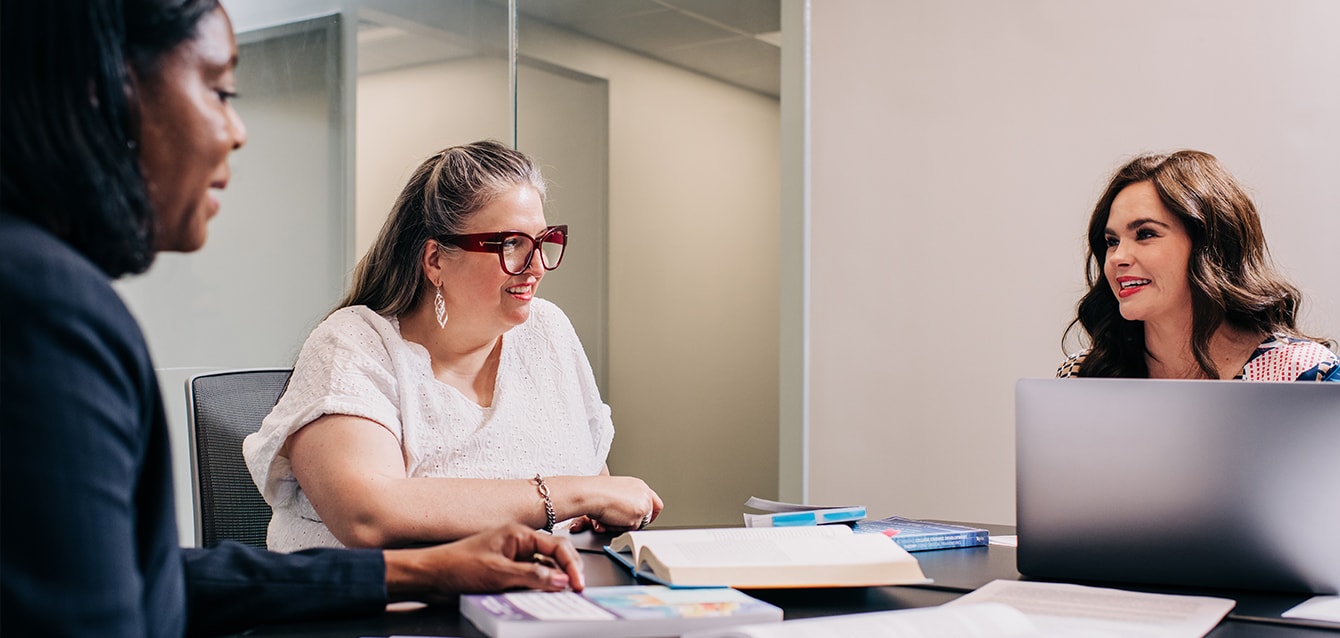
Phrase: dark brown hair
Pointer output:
(1230, 271)
(70, 158)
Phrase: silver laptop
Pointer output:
(1221, 484)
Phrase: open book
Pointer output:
(1016, 609)
(766, 557)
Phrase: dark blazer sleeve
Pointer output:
(233, 586)
(85, 474)
(88, 536)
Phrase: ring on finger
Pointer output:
(645, 520)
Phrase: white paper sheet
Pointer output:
(1094, 612)
(969, 621)
(1324, 608)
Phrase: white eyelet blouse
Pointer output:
(546, 417)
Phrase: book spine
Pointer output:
(943, 541)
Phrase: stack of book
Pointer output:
(910, 534)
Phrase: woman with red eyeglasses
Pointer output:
(443, 397)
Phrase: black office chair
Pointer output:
(224, 407)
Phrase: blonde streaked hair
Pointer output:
(441, 195)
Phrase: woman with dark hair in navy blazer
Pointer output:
(117, 128)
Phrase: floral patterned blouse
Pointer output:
(1278, 358)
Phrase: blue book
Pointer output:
(920, 536)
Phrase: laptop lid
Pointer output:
(1222, 484)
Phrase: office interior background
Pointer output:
(815, 243)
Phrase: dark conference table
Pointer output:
(954, 572)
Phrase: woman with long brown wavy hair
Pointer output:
(1181, 284)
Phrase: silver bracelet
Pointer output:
(548, 504)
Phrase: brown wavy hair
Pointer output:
(443, 192)
(1232, 278)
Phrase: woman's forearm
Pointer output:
(398, 512)
(353, 472)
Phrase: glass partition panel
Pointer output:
(562, 122)
(688, 133)
(657, 124)
(430, 75)
(277, 253)
(436, 74)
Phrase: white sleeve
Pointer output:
(597, 412)
(344, 368)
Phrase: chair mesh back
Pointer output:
(226, 407)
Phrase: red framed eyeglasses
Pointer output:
(515, 249)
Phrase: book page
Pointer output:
(781, 551)
(1094, 612)
(988, 620)
(635, 541)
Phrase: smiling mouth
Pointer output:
(519, 290)
(1133, 283)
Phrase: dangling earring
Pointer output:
(440, 307)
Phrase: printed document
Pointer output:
(1094, 612)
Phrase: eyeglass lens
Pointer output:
(517, 251)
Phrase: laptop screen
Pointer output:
(1221, 484)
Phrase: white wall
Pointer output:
(957, 150)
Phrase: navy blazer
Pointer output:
(88, 536)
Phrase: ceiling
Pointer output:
(735, 41)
